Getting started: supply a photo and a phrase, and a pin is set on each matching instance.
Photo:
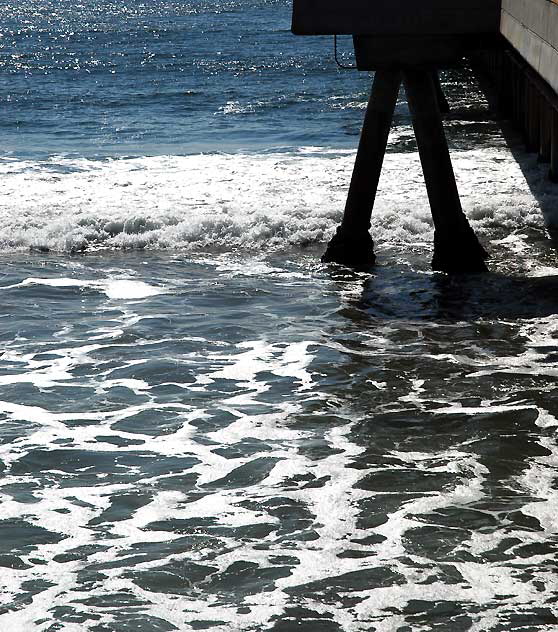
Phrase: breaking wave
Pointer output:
(250, 202)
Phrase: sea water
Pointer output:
(201, 426)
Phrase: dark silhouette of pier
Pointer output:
(512, 43)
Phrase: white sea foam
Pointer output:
(335, 506)
(248, 201)
(276, 430)
(126, 289)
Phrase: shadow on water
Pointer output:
(396, 293)
(535, 171)
(448, 413)
(430, 370)
(536, 174)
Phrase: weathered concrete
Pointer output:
(396, 39)
(545, 131)
(531, 27)
(533, 124)
(456, 247)
(525, 98)
(393, 52)
(413, 41)
(390, 35)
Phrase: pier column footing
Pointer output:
(350, 248)
(459, 253)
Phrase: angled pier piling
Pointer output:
(456, 247)
(352, 243)
(406, 42)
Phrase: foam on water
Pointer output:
(114, 288)
(201, 426)
(252, 201)
(339, 469)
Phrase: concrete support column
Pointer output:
(545, 130)
(503, 76)
(554, 147)
(517, 98)
(532, 114)
(526, 110)
(456, 248)
(352, 244)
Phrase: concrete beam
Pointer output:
(395, 17)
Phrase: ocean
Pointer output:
(202, 426)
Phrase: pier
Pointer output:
(513, 44)
(525, 71)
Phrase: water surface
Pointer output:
(202, 427)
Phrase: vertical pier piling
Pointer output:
(526, 99)
(545, 139)
(414, 42)
(553, 173)
(533, 117)
(456, 247)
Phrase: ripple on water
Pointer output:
(390, 466)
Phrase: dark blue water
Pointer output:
(201, 426)
(119, 78)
